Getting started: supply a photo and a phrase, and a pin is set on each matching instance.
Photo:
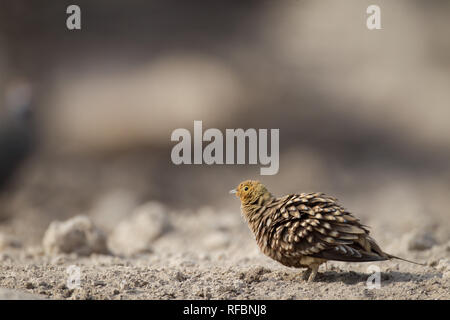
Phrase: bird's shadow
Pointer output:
(352, 277)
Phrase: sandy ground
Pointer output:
(223, 262)
(141, 247)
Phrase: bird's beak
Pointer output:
(233, 191)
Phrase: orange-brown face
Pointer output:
(249, 191)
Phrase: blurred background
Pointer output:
(86, 116)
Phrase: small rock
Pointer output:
(443, 265)
(5, 256)
(58, 260)
(7, 241)
(217, 240)
(99, 283)
(62, 286)
(77, 235)
(420, 241)
(254, 275)
(239, 284)
(226, 289)
(35, 251)
(111, 208)
(140, 283)
(180, 276)
(188, 263)
(29, 285)
(137, 233)
(67, 293)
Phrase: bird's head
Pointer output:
(250, 191)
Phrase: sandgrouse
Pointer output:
(305, 230)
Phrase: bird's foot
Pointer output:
(311, 273)
(306, 274)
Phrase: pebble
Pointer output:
(443, 265)
(217, 240)
(7, 241)
(420, 241)
(77, 235)
(137, 233)
(29, 285)
(180, 276)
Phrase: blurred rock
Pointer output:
(77, 235)
(443, 265)
(4, 256)
(35, 251)
(137, 233)
(7, 241)
(420, 240)
(180, 276)
(111, 208)
(217, 240)
(415, 240)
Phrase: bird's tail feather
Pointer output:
(395, 257)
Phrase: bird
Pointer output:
(306, 230)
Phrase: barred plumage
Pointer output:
(305, 230)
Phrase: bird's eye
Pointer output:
(245, 188)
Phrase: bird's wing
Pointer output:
(313, 224)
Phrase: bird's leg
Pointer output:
(314, 269)
(306, 274)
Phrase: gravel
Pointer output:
(182, 266)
